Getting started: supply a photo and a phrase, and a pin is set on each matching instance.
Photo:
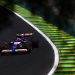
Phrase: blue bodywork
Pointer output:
(19, 43)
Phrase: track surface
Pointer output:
(39, 62)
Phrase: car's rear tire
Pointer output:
(35, 43)
(28, 46)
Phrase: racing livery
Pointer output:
(23, 43)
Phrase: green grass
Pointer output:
(64, 42)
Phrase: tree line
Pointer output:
(64, 9)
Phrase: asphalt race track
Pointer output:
(39, 62)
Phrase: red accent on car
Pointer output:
(18, 38)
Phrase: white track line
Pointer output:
(56, 61)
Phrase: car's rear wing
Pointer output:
(25, 34)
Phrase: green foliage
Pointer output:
(2, 2)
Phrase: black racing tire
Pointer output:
(10, 44)
(35, 43)
(27, 45)
(0, 51)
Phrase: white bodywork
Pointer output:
(16, 43)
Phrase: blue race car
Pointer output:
(23, 43)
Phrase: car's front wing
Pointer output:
(17, 51)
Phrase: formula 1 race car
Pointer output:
(23, 43)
